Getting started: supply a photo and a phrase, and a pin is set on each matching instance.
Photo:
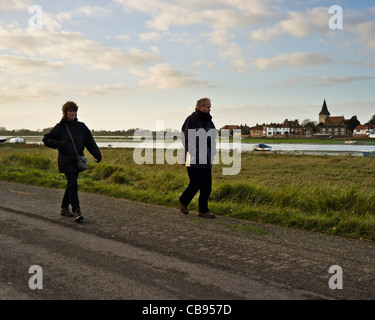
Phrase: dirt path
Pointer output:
(130, 250)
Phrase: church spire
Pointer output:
(324, 114)
(324, 109)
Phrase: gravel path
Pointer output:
(130, 250)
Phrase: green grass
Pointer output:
(329, 194)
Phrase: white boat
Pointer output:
(3, 139)
(350, 142)
(17, 140)
(262, 147)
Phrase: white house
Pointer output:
(362, 130)
(277, 129)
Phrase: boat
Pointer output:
(350, 142)
(262, 147)
(2, 139)
(17, 140)
(368, 154)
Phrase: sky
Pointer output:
(131, 63)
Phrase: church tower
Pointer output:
(324, 114)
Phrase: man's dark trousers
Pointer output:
(200, 180)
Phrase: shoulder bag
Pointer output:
(82, 161)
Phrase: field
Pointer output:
(329, 194)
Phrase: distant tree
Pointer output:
(352, 123)
(313, 124)
(372, 121)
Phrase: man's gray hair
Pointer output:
(202, 101)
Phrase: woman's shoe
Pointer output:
(77, 215)
(66, 212)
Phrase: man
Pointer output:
(199, 135)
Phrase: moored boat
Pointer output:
(262, 147)
(17, 140)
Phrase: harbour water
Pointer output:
(285, 148)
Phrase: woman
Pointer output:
(60, 138)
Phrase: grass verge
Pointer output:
(329, 194)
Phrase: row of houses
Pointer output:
(329, 126)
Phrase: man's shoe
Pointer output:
(183, 208)
(206, 215)
(77, 215)
(66, 212)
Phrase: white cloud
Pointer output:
(87, 11)
(365, 32)
(17, 40)
(296, 24)
(123, 37)
(8, 5)
(220, 14)
(164, 76)
(219, 18)
(12, 62)
(295, 59)
(323, 81)
(93, 11)
(105, 90)
(73, 48)
(150, 36)
(28, 92)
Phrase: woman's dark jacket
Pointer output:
(196, 121)
(59, 138)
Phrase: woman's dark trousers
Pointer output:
(200, 180)
(71, 192)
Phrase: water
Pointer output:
(287, 148)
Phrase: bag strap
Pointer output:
(72, 139)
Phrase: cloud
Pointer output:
(17, 40)
(294, 59)
(94, 11)
(164, 76)
(365, 32)
(296, 24)
(105, 90)
(73, 48)
(123, 37)
(87, 11)
(9, 5)
(221, 19)
(213, 14)
(150, 36)
(322, 82)
(12, 62)
(28, 92)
